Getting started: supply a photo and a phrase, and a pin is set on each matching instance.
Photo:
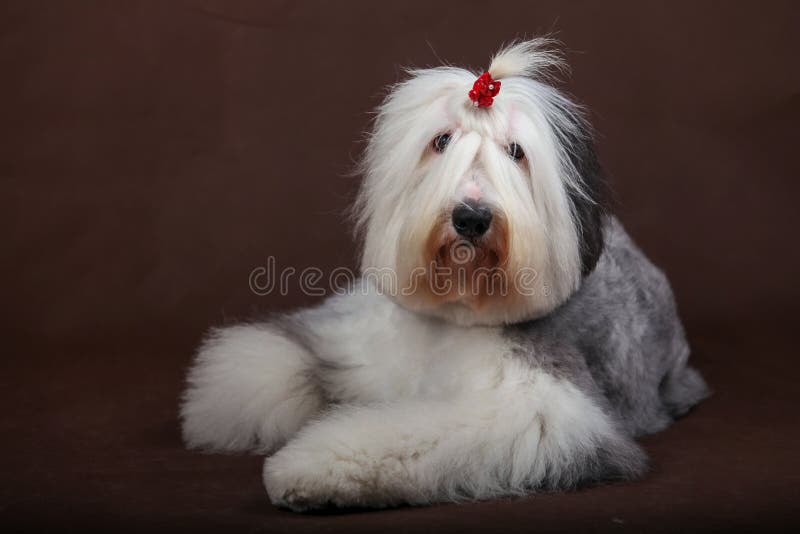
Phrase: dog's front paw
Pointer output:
(301, 479)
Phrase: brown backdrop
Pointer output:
(153, 153)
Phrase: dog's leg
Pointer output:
(530, 431)
(250, 388)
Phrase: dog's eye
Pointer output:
(440, 142)
(515, 151)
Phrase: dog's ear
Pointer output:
(589, 205)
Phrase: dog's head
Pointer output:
(481, 200)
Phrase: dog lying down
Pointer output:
(506, 336)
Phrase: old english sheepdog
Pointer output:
(506, 335)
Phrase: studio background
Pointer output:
(152, 154)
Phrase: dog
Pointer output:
(506, 335)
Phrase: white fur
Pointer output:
(533, 58)
(407, 186)
(487, 443)
(247, 391)
(428, 411)
(385, 399)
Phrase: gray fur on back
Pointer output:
(620, 340)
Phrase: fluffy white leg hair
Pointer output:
(423, 411)
(249, 390)
(528, 430)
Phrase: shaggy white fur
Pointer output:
(425, 410)
(400, 394)
(248, 390)
(407, 188)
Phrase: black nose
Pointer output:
(471, 219)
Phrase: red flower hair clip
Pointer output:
(484, 90)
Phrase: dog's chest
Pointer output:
(392, 353)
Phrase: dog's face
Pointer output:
(480, 214)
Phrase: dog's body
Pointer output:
(376, 399)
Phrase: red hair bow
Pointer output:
(484, 90)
